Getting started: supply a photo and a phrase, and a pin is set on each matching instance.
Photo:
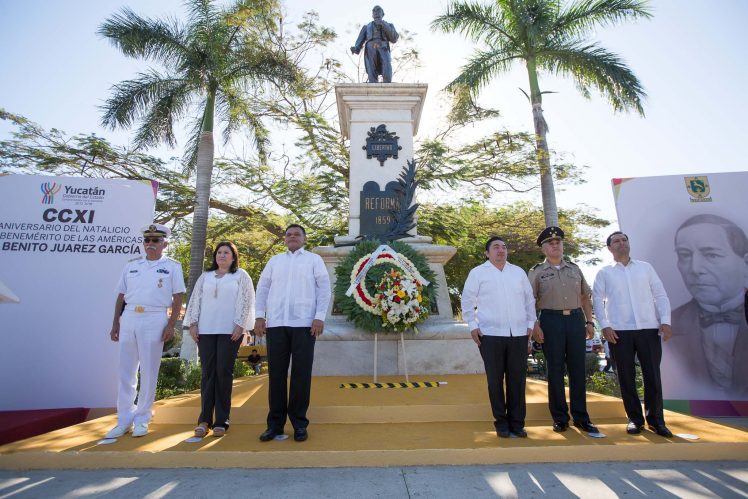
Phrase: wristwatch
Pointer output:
(589, 323)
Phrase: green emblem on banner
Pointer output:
(698, 188)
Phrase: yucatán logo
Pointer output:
(49, 191)
(84, 194)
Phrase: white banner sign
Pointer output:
(63, 243)
(692, 229)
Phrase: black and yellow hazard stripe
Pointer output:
(417, 384)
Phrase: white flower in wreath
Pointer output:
(409, 287)
(393, 317)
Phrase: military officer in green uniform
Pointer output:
(563, 299)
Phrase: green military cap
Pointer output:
(550, 233)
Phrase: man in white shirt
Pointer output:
(291, 304)
(499, 306)
(148, 288)
(634, 311)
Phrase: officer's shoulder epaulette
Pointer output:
(571, 262)
(536, 266)
(135, 259)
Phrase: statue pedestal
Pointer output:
(442, 345)
(380, 120)
(361, 108)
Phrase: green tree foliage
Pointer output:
(174, 377)
(177, 376)
(220, 57)
(550, 36)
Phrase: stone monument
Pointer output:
(380, 120)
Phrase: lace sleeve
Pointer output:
(244, 311)
(192, 315)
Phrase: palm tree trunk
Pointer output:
(203, 176)
(548, 192)
(204, 172)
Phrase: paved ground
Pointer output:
(598, 481)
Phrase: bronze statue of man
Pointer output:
(377, 36)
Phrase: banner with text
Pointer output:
(692, 229)
(63, 243)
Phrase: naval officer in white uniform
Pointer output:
(152, 289)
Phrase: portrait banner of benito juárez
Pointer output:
(696, 239)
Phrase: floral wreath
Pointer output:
(363, 307)
(360, 294)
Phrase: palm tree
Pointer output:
(547, 35)
(214, 64)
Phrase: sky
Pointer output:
(690, 58)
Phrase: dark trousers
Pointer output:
(505, 358)
(645, 344)
(565, 347)
(217, 356)
(284, 344)
(378, 57)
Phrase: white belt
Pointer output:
(139, 309)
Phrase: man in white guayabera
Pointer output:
(499, 306)
(291, 303)
(634, 311)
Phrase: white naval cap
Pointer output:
(156, 230)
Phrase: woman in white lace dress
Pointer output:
(219, 313)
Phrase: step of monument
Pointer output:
(457, 398)
(536, 413)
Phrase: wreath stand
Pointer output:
(405, 357)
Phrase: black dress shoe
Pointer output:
(560, 427)
(662, 431)
(503, 433)
(521, 433)
(633, 428)
(270, 434)
(300, 434)
(587, 426)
